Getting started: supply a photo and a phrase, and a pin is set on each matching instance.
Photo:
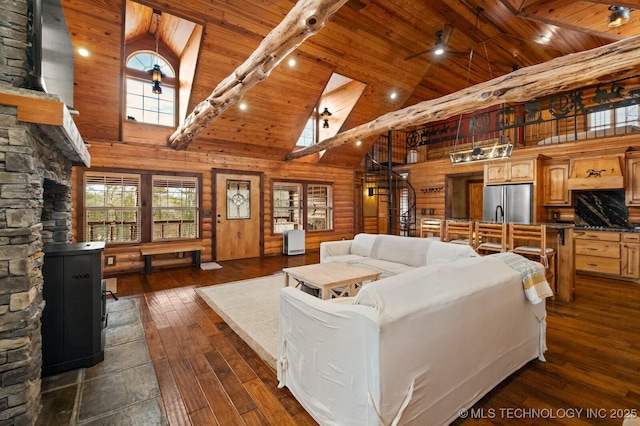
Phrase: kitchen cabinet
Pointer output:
(616, 254)
(597, 170)
(632, 178)
(555, 184)
(630, 256)
(513, 171)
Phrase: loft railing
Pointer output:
(602, 110)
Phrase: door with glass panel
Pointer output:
(238, 215)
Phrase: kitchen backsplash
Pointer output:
(601, 208)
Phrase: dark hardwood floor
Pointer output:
(209, 376)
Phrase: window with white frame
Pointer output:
(143, 104)
(319, 211)
(287, 208)
(309, 135)
(112, 207)
(175, 208)
(296, 204)
(626, 116)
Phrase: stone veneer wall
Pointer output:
(34, 183)
(35, 207)
(14, 27)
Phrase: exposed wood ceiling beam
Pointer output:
(557, 75)
(305, 19)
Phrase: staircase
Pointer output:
(394, 191)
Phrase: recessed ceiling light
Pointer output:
(83, 52)
(393, 95)
(359, 143)
(243, 106)
(292, 62)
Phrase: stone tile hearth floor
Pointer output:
(121, 390)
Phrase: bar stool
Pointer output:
(458, 232)
(531, 241)
(431, 228)
(491, 237)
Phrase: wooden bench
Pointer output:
(195, 248)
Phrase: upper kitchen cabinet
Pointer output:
(555, 183)
(597, 170)
(632, 187)
(511, 171)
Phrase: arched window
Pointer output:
(144, 104)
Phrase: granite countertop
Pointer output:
(607, 229)
(550, 225)
(555, 225)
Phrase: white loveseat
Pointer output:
(392, 254)
(414, 348)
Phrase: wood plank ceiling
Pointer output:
(366, 40)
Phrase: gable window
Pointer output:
(338, 98)
(309, 135)
(112, 207)
(301, 205)
(143, 103)
(140, 207)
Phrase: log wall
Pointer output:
(161, 158)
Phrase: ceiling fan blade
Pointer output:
(417, 54)
(446, 33)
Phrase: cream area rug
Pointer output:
(252, 309)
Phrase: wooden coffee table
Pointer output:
(327, 277)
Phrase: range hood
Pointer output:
(597, 170)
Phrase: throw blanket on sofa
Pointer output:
(534, 283)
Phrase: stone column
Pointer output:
(27, 160)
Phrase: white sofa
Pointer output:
(392, 254)
(414, 348)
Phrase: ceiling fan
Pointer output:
(440, 46)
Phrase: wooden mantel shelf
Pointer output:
(52, 117)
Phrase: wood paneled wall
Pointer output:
(161, 158)
(430, 175)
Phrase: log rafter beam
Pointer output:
(305, 19)
(557, 75)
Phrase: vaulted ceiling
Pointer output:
(366, 40)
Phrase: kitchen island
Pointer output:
(611, 252)
(565, 262)
(560, 238)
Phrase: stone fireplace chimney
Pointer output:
(39, 143)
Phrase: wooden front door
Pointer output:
(238, 215)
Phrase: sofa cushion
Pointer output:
(440, 252)
(433, 286)
(345, 258)
(387, 268)
(406, 250)
(362, 244)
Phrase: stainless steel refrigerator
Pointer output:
(508, 203)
